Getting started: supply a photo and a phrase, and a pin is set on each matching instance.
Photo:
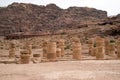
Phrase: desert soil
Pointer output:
(63, 70)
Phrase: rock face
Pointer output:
(115, 22)
(20, 17)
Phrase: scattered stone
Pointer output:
(36, 58)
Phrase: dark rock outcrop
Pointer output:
(115, 22)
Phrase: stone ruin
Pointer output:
(98, 48)
(61, 45)
(12, 50)
(24, 57)
(118, 48)
(76, 49)
(51, 51)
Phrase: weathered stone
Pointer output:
(76, 50)
(100, 52)
(91, 46)
(36, 58)
(28, 47)
(58, 52)
(100, 47)
(12, 50)
(45, 48)
(51, 51)
(25, 57)
(99, 41)
(112, 49)
(61, 45)
(107, 42)
(21, 17)
(118, 48)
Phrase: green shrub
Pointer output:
(112, 41)
(67, 47)
(94, 44)
(1, 47)
(63, 33)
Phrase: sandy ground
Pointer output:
(62, 70)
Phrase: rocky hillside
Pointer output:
(21, 17)
(115, 21)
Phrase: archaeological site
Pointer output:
(46, 42)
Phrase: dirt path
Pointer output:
(64, 70)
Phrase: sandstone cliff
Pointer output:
(21, 17)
